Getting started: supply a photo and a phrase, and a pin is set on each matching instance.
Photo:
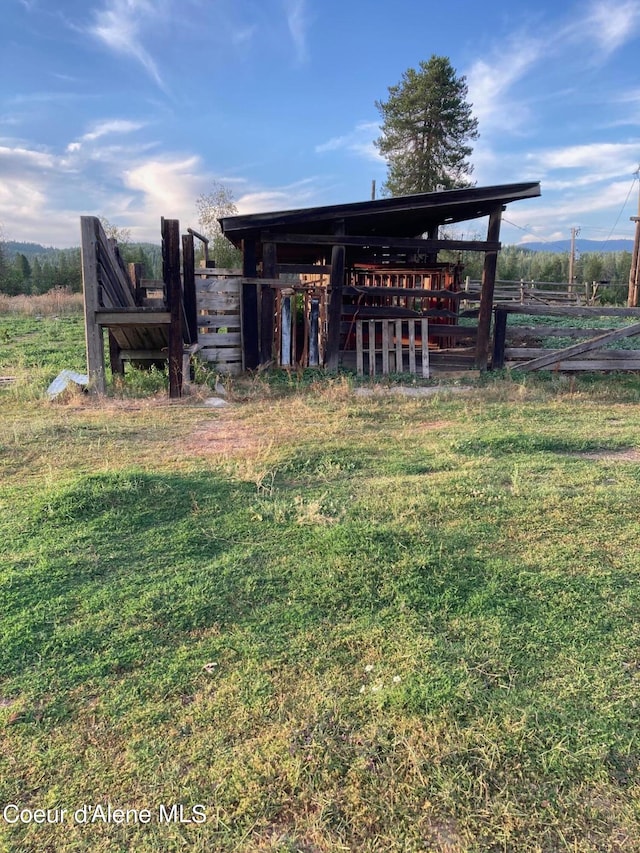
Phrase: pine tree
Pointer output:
(426, 126)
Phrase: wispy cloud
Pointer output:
(358, 141)
(106, 128)
(609, 24)
(298, 23)
(119, 26)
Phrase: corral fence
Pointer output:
(545, 339)
(524, 292)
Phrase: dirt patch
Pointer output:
(628, 455)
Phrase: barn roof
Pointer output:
(400, 216)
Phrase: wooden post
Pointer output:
(424, 339)
(135, 274)
(314, 329)
(189, 286)
(285, 332)
(249, 309)
(336, 283)
(486, 296)
(632, 299)
(91, 287)
(171, 275)
(267, 302)
(499, 339)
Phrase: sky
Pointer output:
(132, 109)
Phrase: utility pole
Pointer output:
(632, 299)
(373, 190)
(572, 257)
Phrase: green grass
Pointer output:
(380, 624)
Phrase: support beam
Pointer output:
(249, 323)
(486, 296)
(336, 283)
(189, 285)
(171, 275)
(416, 244)
(267, 303)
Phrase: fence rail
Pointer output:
(539, 292)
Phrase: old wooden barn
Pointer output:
(364, 286)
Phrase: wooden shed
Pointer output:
(363, 284)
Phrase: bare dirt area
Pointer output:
(629, 455)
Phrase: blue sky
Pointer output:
(131, 109)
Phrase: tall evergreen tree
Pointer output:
(427, 124)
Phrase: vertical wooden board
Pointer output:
(425, 347)
(314, 333)
(372, 348)
(189, 286)
(93, 332)
(499, 339)
(399, 360)
(385, 347)
(412, 345)
(335, 307)
(267, 303)
(359, 352)
(171, 274)
(488, 286)
(285, 331)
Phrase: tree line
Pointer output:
(31, 272)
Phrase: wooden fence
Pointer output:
(530, 347)
(538, 292)
(394, 341)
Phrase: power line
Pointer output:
(524, 230)
(633, 181)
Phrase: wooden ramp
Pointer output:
(141, 329)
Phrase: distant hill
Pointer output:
(29, 250)
(582, 246)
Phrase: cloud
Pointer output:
(358, 141)
(298, 24)
(119, 25)
(105, 128)
(610, 24)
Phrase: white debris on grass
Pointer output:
(64, 379)
(215, 403)
(411, 391)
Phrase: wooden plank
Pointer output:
(131, 317)
(488, 285)
(219, 302)
(412, 346)
(372, 347)
(216, 354)
(220, 339)
(399, 359)
(314, 333)
(552, 311)
(519, 332)
(412, 292)
(189, 287)
(383, 242)
(579, 349)
(267, 302)
(359, 351)
(385, 347)
(594, 365)
(249, 308)
(218, 321)
(93, 331)
(143, 354)
(171, 276)
(499, 339)
(115, 357)
(218, 285)
(336, 283)
(527, 353)
(425, 348)
(304, 269)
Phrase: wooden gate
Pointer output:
(219, 318)
(396, 343)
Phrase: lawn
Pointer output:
(313, 621)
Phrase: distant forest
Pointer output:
(27, 268)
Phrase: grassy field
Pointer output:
(333, 622)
